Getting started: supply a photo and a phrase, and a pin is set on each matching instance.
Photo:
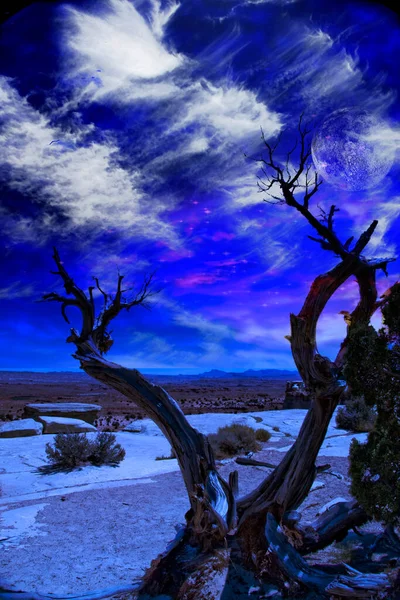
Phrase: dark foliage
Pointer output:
(373, 367)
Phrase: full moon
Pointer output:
(349, 152)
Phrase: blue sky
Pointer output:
(122, 138)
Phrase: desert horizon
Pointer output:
(196, 394)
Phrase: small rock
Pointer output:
(64, 425)
(20, 428)
(70, 410)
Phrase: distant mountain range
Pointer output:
(267, 373)
(69, 376)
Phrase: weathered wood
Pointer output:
(288, 485)
(387, 539)
(213, 505)
(332, 526)
(359, 585)
(287, 562)
(293, 568)
(213, 501)
(241, 460)
(323, 468)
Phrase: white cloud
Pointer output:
(331, 328)
(386, 213)
(201, 324)
(199, 144)
(272, 237)
(230, 111)
(243, 191)
(83, 182)
(384, 137)
(252, 332)
(120, 46)
(222, 114)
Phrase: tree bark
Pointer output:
(332, 526)
(212, 499)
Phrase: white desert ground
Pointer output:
(98, 528)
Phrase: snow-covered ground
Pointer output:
(21, 484)
(20, 457)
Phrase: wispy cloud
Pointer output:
(17, 289)
(160, 16)
(231, 111)
(317, 67)
(386, 137)
(192, 320)
(84, 182)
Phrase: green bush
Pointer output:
(356, 416)
(373, 369)
(375, 473)
(71, 450)
(234, 439)
(262, 435)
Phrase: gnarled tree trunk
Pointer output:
(257, 531)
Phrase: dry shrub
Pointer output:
(234, 439)
(356, 416)
(262, 435)
(163, 457)
(71, 450)
(106, 451)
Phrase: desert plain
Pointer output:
(194, 394)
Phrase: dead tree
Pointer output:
(259, 530)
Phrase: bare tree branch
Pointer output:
(112, 306)
(364, 238)
(289, 184)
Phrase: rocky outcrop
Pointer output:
(20, 428)
(296, 395)
(69, 410)
(65, 425)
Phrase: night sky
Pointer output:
(123, 132)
